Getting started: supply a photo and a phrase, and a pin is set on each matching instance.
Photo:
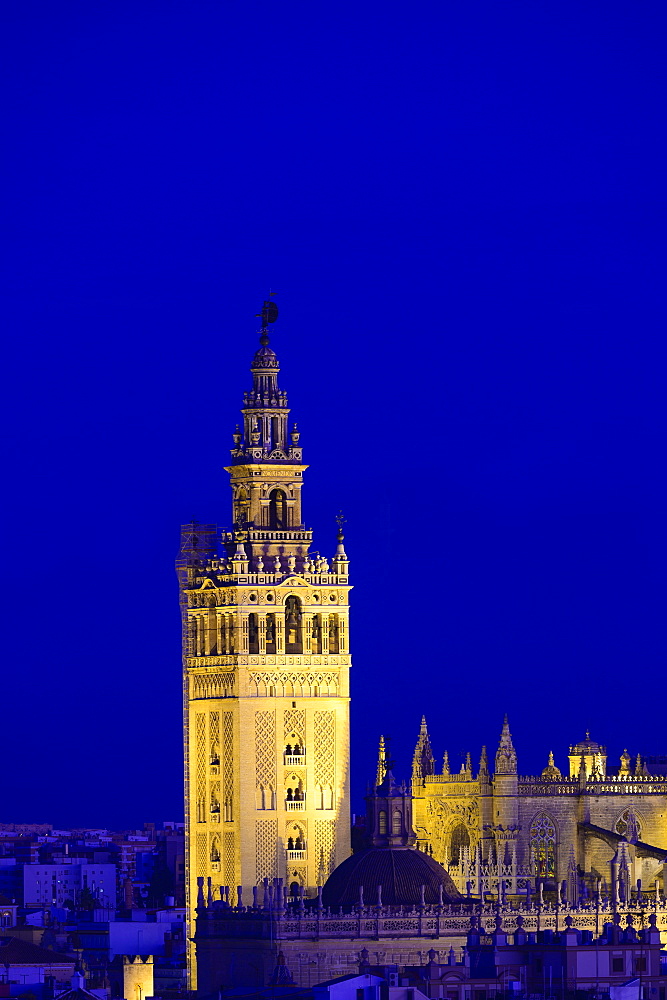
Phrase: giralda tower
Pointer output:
(266, 670)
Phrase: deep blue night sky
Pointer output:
(462, 209)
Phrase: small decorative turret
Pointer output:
(445, 763)
(625, 763)
(483, 769)
(593, 754)
(423, 761)
(389, 814)
(506, 762)
(340, 564)
(382, 763)
(551, 771)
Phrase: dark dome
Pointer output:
(265, 357)
(401, 871)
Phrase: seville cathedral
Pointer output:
(266, 653)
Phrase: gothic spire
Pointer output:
(423, 761)
(382, 763)
(506, 754)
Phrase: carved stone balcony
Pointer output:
(296, 855)
(294, 806)
(295, 760)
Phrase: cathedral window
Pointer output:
(293, 634)
(382, 823)
(277, 509)
(396, 823)
(215, 850)
(271, 633)
(459, 839)
(334, 635)
(253, 634)
(543, 846)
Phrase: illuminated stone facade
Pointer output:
(577, 830)
(266, 665)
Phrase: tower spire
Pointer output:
(423, 761)
(506, 762)
(265, 434)
(382, 767)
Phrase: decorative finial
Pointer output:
(340, 521)
(269, 314)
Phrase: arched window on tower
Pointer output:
(334, 634)
(242, 506)
(270, 633)
(212, 629)
(459, 839)
(543, 846)
(396, 823)
(293, 632)
(253, 633)
(316, 634)
(229, 633)
(277, 509)
(382, 823)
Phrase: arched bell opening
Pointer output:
(277, 509)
